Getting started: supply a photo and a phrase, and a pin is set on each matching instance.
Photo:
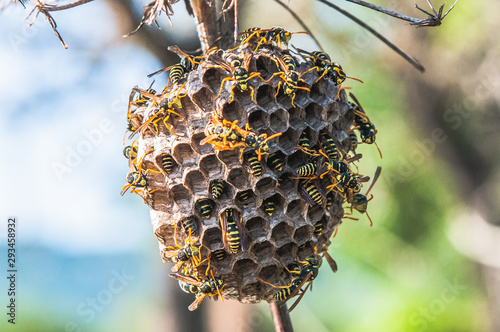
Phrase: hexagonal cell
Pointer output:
(298, 159)
(229, 157)
(234, 111)
(251, 291)
(251, 270)
(287, 253)
(166, 162)
(303, 234)
(279, 120)
(252, 164)
(211, 166)
(306, 250)
(285, 182)
(264, 252)
(213, 78)
(184, 155)
(203, 99)
(160, 201)
(186, 224)
(275, 161)
(257, 119)
(238, 178)
(212, 238)
(182, 197)
(315, 213)
(314, 116)
(245, 198)
(295, 207)
(321, 90)
(221, 188)
(195, 180)
(265, 186)
(204, 208)
(195, 143)
(257, 229)
(332, 112)
(281, 234)
(297, 118)
(289, 140)
(265, 97)
(273, 206)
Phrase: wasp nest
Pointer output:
(244, 162)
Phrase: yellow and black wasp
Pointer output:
(275, 162)
(219, 254)
(201, 288)
(167, 162)
(216, 188)
(252, 164)
(189, 225)
(359, 201)
(187, 64)
(205, 207)
(136, 178)
(267, 37)
(269, 206)
(289, 78)
(166, 106)
(191, 252)
(239, 73)
(233, 235)
(322, 62)
(312, 192)
(225, 135)
(130, 152)
(367, 131)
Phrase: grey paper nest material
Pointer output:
(288, 234)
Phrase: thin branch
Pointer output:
(53, 8)
(433, 19)
(299, 20)
(281, 318)
(414, 62)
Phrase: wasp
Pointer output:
(275, 162)
(225, 135)
(322, 62)
(318, 228)
(189, 225)
(359, 201)
(219, 254)
(290, 80)
(311, 192)
(187, 64)
(167, 162)
(252, 164)
(166, 106)
(329, 147)
(201, 288)
(205, 206)
(137, 179)
(308, 170)
(232, 231)
(130, 152)
(216, 188)
(268, 36)
(269, 206)
(182, 255)
(367, 131)
(239, 72)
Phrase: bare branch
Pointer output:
(433, 19)
(281, 317)
(152, 11)
(414, 62)
(53, 8)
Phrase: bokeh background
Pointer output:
(87, 257)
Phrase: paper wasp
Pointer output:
(137, 179)
(182, 255)
(216, 188)
(252, 163)
(187, 64)
(189, 225)
(225, 135)
(239, 72)
(268, 36)
(290, 79)
(322, 62)
(359, 201)
(201, 288)
(232, 231)
(312, 192)
(269, 206)
(205, 207)
(275, 162)
(167, 162)
(367, 130)
(165, 108)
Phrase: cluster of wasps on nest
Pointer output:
(328, 172)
